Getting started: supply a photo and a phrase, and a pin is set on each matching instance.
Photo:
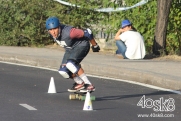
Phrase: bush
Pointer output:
(23, 21)
(25, 26)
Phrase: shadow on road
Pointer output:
(117, 97)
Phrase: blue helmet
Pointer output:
(52, 22)
(125, 23)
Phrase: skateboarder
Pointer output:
(77, 45)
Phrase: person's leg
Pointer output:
(66, 73)
(121, 48)
(77, 55)
(88, 85)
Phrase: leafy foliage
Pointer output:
(23, 21)
(174, 29)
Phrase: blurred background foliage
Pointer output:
(23, 21)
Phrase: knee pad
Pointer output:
(65, 72)
(73, 66)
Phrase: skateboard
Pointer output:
(80, 96)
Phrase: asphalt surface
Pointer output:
(161, 73)
(115, 100)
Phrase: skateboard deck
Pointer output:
(80, 96)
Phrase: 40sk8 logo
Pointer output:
(157, 105)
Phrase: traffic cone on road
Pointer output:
(52, 88)
(88, 103)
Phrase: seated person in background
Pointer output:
(130, 43)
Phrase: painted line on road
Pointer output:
(128, 81)
(28, 65)
(28, 106)
(138, 83)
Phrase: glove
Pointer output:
(95, 48)
(88, 34)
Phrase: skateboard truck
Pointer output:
(80, 96)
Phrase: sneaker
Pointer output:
(76, 87)
(88, 87)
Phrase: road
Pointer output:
(24, 97)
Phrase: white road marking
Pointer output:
(127, 81)
(141, 84)
(28, 106)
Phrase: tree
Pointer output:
(163, 8)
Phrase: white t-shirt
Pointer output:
(135, 44)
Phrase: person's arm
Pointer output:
(79, 33)
(117, 36)
(76, 33)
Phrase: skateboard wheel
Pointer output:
(76, 96)
(93, 98)
(83, 98)
(72, 96)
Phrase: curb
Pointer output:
(111, 71)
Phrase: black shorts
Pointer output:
(78, 53)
